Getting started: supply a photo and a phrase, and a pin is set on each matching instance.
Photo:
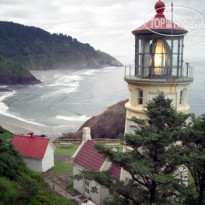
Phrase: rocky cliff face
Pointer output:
(109, 124)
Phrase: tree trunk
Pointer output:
(202, 192)
(153, 193)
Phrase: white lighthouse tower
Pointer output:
(159, 45)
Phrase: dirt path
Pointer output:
(62, 157)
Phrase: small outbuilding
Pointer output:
(37, 152)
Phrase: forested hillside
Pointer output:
(14, 73)
(35, 48)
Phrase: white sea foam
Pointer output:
(24, 120)
(73, 118)
(3, 106)
(4, 109)
(89, 72)
(64, 80)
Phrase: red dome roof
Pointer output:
(159, 7)
(160, 23)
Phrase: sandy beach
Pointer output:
(20, 127)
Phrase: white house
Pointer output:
(87, 158)
(37, 152)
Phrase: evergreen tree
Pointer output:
(152, 160)
(194, 154)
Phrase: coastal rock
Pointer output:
(5, 90)
(12, 73)
(109, 124)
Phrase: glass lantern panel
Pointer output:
(174, 63)
(147, 46)
(180, 60)
(174, 71)
(140, 65)
(181, 45)
(140, 59)
(140, 46)
(169, 42)
(175, 46)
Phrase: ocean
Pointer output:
(66, 99)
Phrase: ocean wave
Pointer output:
(73, 118)
(88, 72)
(6, 95)
(25, 120)
(64, 80)
(4, 109)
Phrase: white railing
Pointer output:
(187, 72)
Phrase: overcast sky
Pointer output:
(104, 24)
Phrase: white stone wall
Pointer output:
(48, 159)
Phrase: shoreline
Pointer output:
(19, 127)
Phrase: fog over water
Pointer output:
(66, 99)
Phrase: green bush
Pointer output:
(18, 184)
(9, 192)
(11, 162)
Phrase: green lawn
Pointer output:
(62, 168)
(66, 149)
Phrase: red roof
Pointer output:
(34, 147)
(159, 22)
(115, 171)
(89, 158)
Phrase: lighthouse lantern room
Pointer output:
(159, 45)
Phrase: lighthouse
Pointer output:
(159, 66)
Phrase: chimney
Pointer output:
(86, 134)
(31, 134)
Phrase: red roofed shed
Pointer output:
(37, 152)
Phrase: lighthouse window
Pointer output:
(140, 96)
(182, 97)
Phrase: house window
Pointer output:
(86, 183)
(87, 190)
(87, 186)
(140, 97)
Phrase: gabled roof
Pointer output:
(115, 171)
(89, 158)
(33, 147)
